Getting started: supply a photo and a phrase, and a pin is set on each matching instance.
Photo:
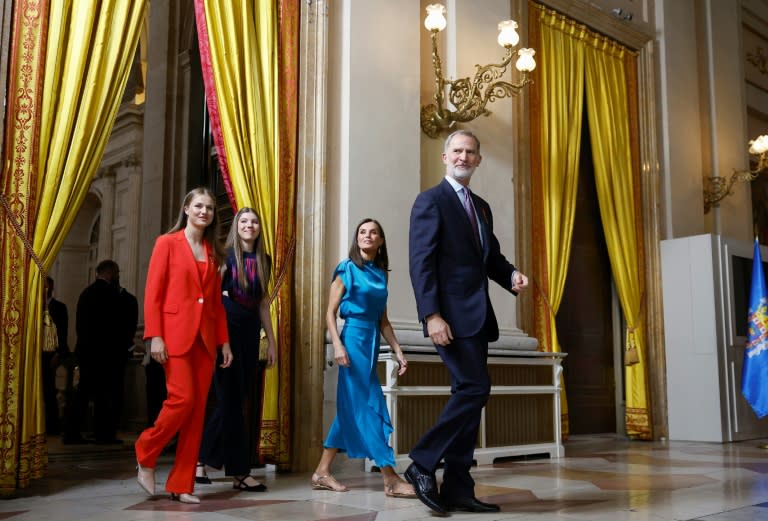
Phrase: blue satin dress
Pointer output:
(362, 426)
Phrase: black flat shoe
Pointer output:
(242, 485)
(204, 479)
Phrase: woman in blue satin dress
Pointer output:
(362, 425)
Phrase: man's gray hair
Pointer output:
(461, 132)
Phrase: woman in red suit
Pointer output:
(185, 321)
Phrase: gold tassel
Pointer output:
(631, 356)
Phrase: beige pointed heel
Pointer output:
(146, 478)
(189, 499)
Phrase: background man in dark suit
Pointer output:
(52, 359)
(453, 252)
(101, 355)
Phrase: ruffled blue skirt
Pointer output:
(362, 426)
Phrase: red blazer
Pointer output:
(177, 303)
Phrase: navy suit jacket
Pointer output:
(449, 271)
(97, 324)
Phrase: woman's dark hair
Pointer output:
(234, 242)
(211, 234)
(382, 259)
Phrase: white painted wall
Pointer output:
(470, 39)
(373, 132)
(703, 114)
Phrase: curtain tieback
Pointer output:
(631, 356)
(543, 295)
(283, 271)
(638, 315)
(17, 228)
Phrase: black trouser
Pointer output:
(101, 381)
(452, 438)
(52, 425)
(225, 437)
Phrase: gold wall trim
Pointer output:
(309, 326)
(650, 180)
(632, 34)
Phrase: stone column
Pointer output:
(309, 286)
(157, 203)
(105, 186)
(126, 231)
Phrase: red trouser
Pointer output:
(187, 379)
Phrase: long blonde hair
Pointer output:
(263, 264)
(211, 233)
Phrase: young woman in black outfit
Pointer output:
(244, 294)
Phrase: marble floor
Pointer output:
(601, 478)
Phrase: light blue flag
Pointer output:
(754, 376)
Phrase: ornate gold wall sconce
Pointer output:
(716, 188)
(470, 96)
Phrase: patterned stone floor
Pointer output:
(601, 478)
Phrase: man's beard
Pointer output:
(462, 172)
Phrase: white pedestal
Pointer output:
(706, 282)
(522, 416)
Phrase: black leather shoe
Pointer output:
(468, 504)
(425, 487)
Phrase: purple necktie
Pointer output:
(471, 214)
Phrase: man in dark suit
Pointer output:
(453, 252)
(52, 359)
(101, 355)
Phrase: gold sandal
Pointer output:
(327, 482)
(391, 489)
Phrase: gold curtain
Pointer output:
(560, 94)
(574, 58)
(244, 42)
(616, 176)
(70, 61)
(288, 105)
